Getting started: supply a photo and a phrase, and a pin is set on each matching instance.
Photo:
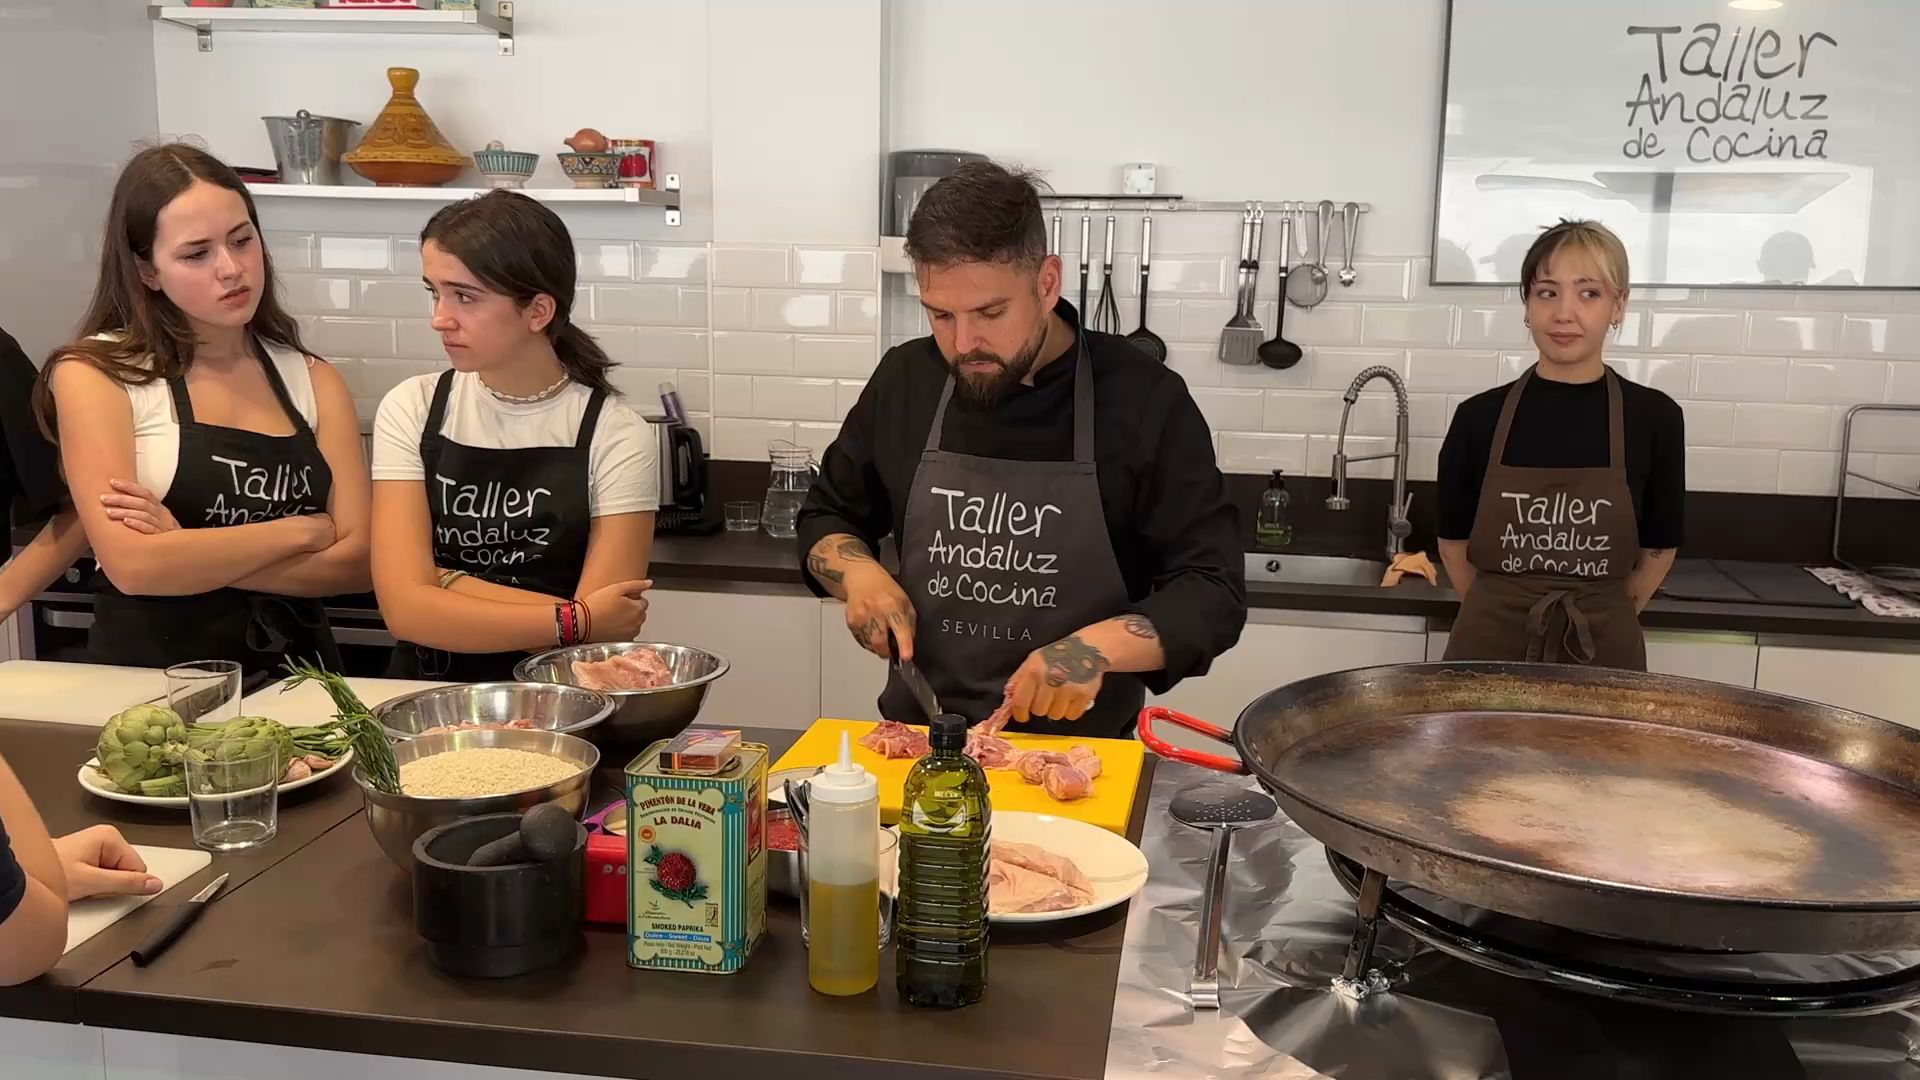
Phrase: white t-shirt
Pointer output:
(156, 431)
(621, 461)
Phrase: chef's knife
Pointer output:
(176, 924)
(916, 683)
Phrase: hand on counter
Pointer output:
(99, 862)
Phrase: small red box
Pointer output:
(606, 879)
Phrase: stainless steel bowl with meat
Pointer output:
(535, 706)
(646, 709)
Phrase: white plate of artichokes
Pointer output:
(145, 747)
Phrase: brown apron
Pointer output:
(1553, 548)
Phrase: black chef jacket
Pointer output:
(30, 485)
(1175, 533)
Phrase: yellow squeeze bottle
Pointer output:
(843, 877)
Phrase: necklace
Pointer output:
(530, 399)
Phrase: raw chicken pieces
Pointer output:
(640, 670)
(1066, 775)
(1024, 879)
(1086, 759)
(1066, 783)
(895, 740)
(1033, 764)
(990, 750)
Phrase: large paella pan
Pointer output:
(1644, 807)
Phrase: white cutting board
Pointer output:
(308, 704)
(74, 693)
(86, 918)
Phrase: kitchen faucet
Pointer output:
(1398, 527)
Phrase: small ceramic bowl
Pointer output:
(505, 168)
(591, 170)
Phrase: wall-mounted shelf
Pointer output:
(203, 21)
(667, 196)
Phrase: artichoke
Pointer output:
(143, 743)
(241, 738)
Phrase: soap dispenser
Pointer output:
(1272, 528)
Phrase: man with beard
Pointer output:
(1066, 541)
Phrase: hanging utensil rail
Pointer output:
(1164, 204)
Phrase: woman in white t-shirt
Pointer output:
(248, 497)
(514, 495)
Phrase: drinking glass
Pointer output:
(204, 691)
(743, 515)
(889, 857)
(234, 801)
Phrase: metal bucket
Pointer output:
(307, 148)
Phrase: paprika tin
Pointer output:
(696, 863)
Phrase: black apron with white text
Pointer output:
(226, 476)
(518, 518)
(1001, 557)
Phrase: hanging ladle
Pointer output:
(1281, 353)
(1146, 340)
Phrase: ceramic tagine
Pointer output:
(403, 148)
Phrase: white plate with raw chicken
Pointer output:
(1046, 868)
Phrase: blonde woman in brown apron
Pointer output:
(1563, 493)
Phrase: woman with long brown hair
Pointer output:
(514, 493)
(249, 498)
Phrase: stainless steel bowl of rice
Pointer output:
(451, 775)
(640, 717)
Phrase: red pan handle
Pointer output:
(1192, 757)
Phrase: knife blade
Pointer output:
(916, 683)
(183, 916)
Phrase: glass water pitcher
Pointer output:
(792, 474)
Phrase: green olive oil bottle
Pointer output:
(940, 936)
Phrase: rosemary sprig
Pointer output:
(354, 720)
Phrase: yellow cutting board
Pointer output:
(1108, 807)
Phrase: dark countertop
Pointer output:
(755, 562)
(735, 560)
(320, 951)
(45, 756)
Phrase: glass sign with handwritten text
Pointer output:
(1725, 146)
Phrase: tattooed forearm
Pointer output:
(1071, 660)
(818, 566)
(853, 549)
(831, 557)
(1139, 626)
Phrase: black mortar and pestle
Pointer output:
(501, 894)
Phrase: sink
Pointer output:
(1313, 569)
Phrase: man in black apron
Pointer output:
(227, 476)
(1066, 542)
(519, 518)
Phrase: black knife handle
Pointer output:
(163, 935)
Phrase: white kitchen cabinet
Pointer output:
(850, 676)
(1878, 678)
(1721, 658)
(772, 641)
(1279, 647)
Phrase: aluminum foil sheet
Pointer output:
(1288, 923)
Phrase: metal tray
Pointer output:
(1644, 807)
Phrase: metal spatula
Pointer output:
(1240, 338)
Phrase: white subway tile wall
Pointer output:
(770, 341)
(1764, 376)
(762, 342)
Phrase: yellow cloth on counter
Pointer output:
(1410, 563)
